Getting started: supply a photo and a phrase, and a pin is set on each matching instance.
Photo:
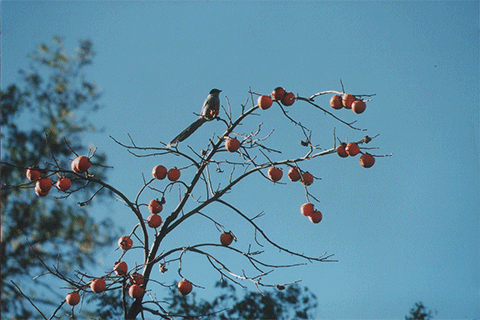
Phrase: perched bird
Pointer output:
(210, 109)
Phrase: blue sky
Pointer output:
(403, 231)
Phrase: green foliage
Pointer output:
(419, 312)
(37, 114)
(110, 305)
(294, 302)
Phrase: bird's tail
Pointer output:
(187, 132)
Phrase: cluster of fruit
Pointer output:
(160, 172)
(155, 206)
(99, 285)
(352, 149)
(135, 290)
(308, 210)
(275, 174)
(43, 184)
(348, 101)
(278, 94)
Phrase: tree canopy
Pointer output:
(43, 115)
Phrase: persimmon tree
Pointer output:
(200, 182)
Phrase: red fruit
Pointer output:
(288, 99)
(358, 106)
(226, 238)
(32, 174)
(80, 164)
(136, 278)
(125, 243)
(275, 174)
(135, 291)
(293, 174)
(63, 184)
(154, 221)
(307, 179)
(264, 102)
(278, 93)
(173, 174)
(155, 206)
(98, 285)
(73, 298)
(347, 100)
(341, 150)
(352, 149)
(316, 216)
(367, 160)
(307, 209)
(44, 184)
(159, 172)
(336, 102)
(120, 268)
(185, 287)
(232, 144)
(40, 193)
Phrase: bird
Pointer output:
(210, 109)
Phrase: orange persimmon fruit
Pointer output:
(264, 102)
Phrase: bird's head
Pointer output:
(215, 91)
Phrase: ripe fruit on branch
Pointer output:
(120, 268)
(293, 174)
(226, 239)
(278, 93)
(173, 174)
(275, 174)
(185, 287)
(307, 209)
(307, 179)
(136, 278)
(44, 185)
(159, 172)
(80, 164)
(336, 102)
(73, 298)
(367, 160)
(316, 216)
(154, 220)
(352, 149)
(347, 100)
(288, 99)
(232, 144)
(63, 184)
(125, 243)
(40, 193)
(264, 102)
(358, 106)
(98, 285)
(155, 206)
(135, 291)
(32, 174)
(341, 150)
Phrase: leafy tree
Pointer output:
(419, 312)
(294, 302)
(47, 106)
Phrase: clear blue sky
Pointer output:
(403, 231)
